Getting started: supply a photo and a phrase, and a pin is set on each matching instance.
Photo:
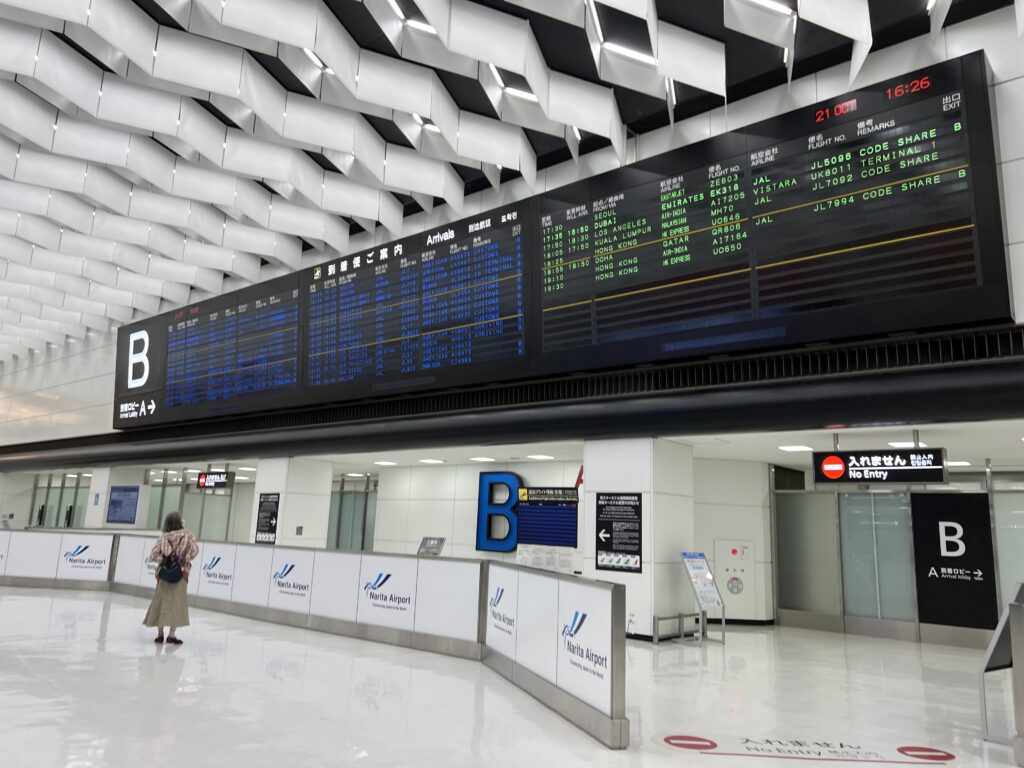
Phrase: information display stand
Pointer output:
(705, 593)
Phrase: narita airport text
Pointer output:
(384, 597)
(577, 650)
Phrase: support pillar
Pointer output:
(662, 472)
(304, 510)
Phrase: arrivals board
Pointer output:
(867, 214)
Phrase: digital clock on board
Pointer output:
(914, 86)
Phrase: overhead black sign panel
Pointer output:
(953, 558)
(915, 465)
(215, 480)
(863, 215)
(619, 534)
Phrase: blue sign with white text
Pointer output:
(545, 516)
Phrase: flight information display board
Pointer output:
(444, 306)
(868, 214)
(771, 235)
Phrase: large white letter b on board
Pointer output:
(951, 539)
(138, 357)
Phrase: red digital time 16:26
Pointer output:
(920, 84)
(835, 110)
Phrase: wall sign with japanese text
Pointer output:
(913, 465)
(266, 518)
(956, 579)
(618, 534)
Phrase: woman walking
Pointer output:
(173, 554)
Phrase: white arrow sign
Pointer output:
(978, 574)
(152, 407)
(603, 535)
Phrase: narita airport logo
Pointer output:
(584, 656)
(288, 585)
(211, 572)
(502, 621)
(76, 558)
(374, 590)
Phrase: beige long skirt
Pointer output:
(169, 607)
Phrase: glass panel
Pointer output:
(153, 517)
(52, 503)
(895, 555)
(81, 502)
(177, 500)
(351, 514)
(1009, 508)
(371, 520)
(215, 517)
(807, 530)
(860, 582)
(333, 520)
(241, 514)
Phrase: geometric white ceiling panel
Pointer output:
(155, 153)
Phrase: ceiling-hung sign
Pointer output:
(913, 465)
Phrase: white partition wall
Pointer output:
(62, 556)
(585, 643)
(33, 555)
(387, 592)
(562, 639)
(85, 557)
(291, 580)
(129, 560)
(448, 598)
(216, 574)
(5, 541)
(252, 575)
(148, 568)
(559, 637)
(537, 625)
(335, 585)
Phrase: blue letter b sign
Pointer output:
(488, 509)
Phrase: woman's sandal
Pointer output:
(158, 639)
(174, 641)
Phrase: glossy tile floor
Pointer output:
(82, 685)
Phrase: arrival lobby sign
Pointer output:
(956, 580)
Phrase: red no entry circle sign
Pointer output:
(690, 742)
(833, 467)
(927, 753)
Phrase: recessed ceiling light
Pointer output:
(247, 469)
(907, 444)
(958, 463)
(540, 457)
(796, 448)
(481, 458)
(194, 471)
(431, 461)
(217, 469)
(70, 475)
(397, 9)
(354, 474)
(386, 463)
(240, 478)
(86, 475)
